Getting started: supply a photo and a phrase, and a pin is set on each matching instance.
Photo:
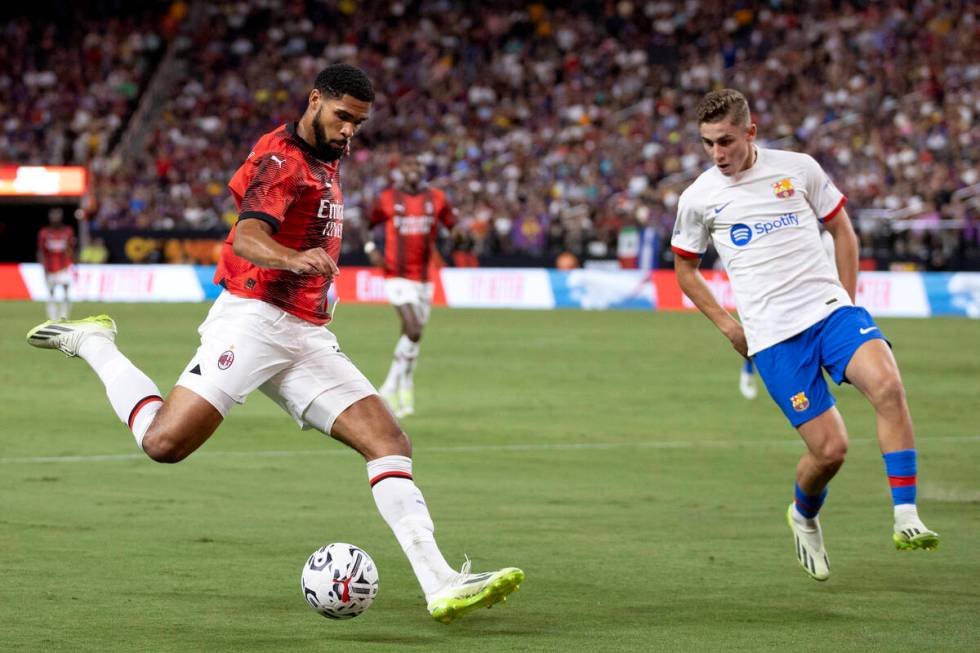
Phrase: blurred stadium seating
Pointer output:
(552, 125)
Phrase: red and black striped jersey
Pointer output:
(411, 228)
(283, 183)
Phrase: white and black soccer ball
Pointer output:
(339, 581)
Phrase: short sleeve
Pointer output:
(690, 238)
(447, 215)
(272, 189)
(378, 213)
(823, 196)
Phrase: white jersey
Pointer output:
(764, 225)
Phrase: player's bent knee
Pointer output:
(164, 449)
(888, 392)
(833, 453)
(413, 333)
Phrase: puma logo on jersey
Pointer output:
(278, 160)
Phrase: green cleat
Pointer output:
(67, 335)
(471, 591)
(913, 537)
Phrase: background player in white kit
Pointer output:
(760, 208)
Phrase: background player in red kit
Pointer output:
(56, 252)
(412, 213)
(266, 331)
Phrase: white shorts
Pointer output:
(417, 294)
(248, 344)
(59, 278)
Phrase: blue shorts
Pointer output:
(792, 370)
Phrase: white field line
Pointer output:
(531, 446)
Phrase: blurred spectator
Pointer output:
(551, 126)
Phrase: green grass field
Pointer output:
(608, 454)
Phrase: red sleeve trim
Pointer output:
(683, 253)
(840, 205)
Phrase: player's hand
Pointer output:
(377, 260)
(736, 335)
(314, 261)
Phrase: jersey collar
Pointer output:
(306, 147)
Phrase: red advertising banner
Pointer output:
(366, 285)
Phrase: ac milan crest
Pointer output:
(226, 359)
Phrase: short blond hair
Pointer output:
(726, 103)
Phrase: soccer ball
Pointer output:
(339, 581)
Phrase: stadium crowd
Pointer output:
(551, 126)
(68, 86)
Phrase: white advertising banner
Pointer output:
(497, 288)
(122, 283)
(893, 294)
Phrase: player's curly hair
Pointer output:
(339, 79)
(726, 103)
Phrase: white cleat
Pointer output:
(468, 592)
(808, 538)
(67, 335)
(746, 384)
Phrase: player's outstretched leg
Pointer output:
(369, 429)
(873, 370)
(746, 380)
(134, 397)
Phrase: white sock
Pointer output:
(800, 519)
(65, 308)
(390, 385)
(409, 352)
(135, 398)
(52, 309)
(906, 514)
(403, 509)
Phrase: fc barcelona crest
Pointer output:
(784, 188)
(800, 402)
